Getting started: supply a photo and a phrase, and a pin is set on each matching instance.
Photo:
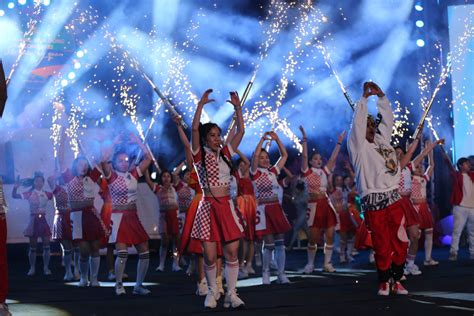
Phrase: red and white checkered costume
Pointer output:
(62, 229)
(377, 176)
(405, 188)
(247, 204)
(126, 226)
(217, 218)
(168, 201)
(38, 200)
(270, 218)
(418, 197)
(86, 222)
(320, 212)
(185, 196)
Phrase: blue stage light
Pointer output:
(71, 75)
(22, 2)
(420, 42)
(420, 23)
(2, 13)
(46, 2)
(11, 5)
(418, 7)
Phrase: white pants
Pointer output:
(462, 215)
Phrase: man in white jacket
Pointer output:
(377, 175)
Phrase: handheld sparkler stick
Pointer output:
(164, 99)
(242, 101)
(442, 80)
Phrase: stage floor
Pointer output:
(446, 289)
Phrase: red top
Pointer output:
(244, 185)
(456, 194)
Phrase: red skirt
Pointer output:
(321, 214)
(217, 220)
(37, 227)
(271, 220)
(105, 215)
(247, 206)
(346, 223)
(62, 229)
(169, 223)
(411, 215)
(127, 228)
(87, 225)
(424, 214)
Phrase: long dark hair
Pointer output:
(204, 129)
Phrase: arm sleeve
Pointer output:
(386, 125)
(359, 126)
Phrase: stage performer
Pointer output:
(271, 222)
(321, 216)
(217, 219)
(3, 253)
(377, 175)
(38, 226)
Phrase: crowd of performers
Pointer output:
(215, 206)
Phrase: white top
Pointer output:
(405, 185)
(376, 165)
(467, 191)
(419, 187)
(316, 179)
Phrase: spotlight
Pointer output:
(2, 13)
(107, 117)
(22, 2)
(80, 54)
(420, 23)
(46, 2)
(153, 175)
(64, 82)
(77, 65)
(71, 75)
(420, 42)
(11, 5)
(418, 7)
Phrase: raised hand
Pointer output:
(273, 135)
(234, 98)
(205, 98)
(376, 90)
(133, 139)
(303, 132)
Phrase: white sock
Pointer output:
(267, 256)
(231, 274)
(67, 261)
(120, 263)
(327, 254)
(163, 253)
(77, 258)
(280, 255)
(46, 256)
(32, 258)
(211, 274)
(95, 264)
(428, 243)
(350, 247)
(84, 269)
(142, 267)
(411, 259)
(311, 251)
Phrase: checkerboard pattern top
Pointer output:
(61, 199)
(418, 190)
(266, 183)
(123, 187)
(316, 179)
(404, 186)
(81, 189)
(218, 172)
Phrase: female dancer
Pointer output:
(87, 227)
(168, 225)
(271, 222)
(188, 245)
(321, 215)
(37, 227)
(420, 179)
(247, 205)
(62, 230)
(217, 220)
(126, 226)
